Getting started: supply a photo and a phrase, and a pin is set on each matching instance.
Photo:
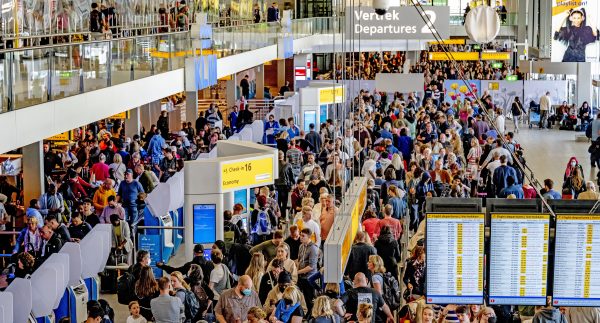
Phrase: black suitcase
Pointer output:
(108, 282)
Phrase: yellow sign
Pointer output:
(503, 56)
(346, 247)
(494, 86)
(122, 115)
(65, 136)
(459, 56)
(448, 42)
(331, 95)
(247, 173)
(513, 216)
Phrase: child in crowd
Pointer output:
(134, 310)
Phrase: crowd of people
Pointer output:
(365, 65)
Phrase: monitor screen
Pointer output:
(241, 197)
(205, 223)
(207, 253)
(310, 117)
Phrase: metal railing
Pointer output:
(50, 72)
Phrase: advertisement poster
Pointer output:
(457, 89)
(575, 31)
(533, 90)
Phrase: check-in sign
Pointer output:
(399, 23)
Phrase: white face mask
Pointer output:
(573, 164)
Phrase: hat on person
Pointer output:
(129, 171)
(181, 134)
(284, 278)
(262, 200)
(165, 146)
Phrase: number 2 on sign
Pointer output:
(429, 28)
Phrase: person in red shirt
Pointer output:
(100, 170)
(394, 224)
(371, 224)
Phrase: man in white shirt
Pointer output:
(501, 151)
(308, 222)
(349, 141)
(308, 168)
(370, 166)
(500, 122)
(494, 163)
(545, 105)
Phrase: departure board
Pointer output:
(454, 245)
(518, 259)
(577, 261)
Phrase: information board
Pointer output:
(241, 197)
(518, 259)
(577, 261)
(455, 251)
(205, 223)
(246, 173)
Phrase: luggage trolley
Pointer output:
(534, 117)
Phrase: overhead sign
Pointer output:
(459, 56)
(512, 78)
(331, 95)
(122, 115)
(65, 136)
(398, 23)
(498, 56)
(248, 173)
(448, 42)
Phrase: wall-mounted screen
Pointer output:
(310, 117)
(205, 223)
(455, 252)
(519, 259)
(576, 260)
(241, 197)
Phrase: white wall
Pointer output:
(25, 126)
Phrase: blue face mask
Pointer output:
(247, 292)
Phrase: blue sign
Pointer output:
(241, 197)
(152, 243)
(205, 223)
(205, 68)
(323, 113)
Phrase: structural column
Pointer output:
(33, 171)
(191, 106)
(280, 73)
(260, 81)
(132, 124)
(149, 114)
(584, 83)
(231, 91)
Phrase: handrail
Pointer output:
(88, 42)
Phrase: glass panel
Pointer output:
(30, 75)
(66, 71)
(95, 66)
(4, 77)
(120, 69)
(142, 62)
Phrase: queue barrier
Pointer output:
(6, 307)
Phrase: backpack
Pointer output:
(95, 21)
(191, 304)
(263, 224)
(125, 288)
(391, 291)
(228, 236)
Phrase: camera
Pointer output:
(381, 6)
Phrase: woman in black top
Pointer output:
(574, 33)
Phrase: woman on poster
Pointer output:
(574, 33)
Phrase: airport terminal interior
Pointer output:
(291, 161)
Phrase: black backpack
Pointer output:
(125, 288)
(191, 304)
(391, 291)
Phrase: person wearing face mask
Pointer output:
(112, 208)
(288, 309)
(142, 258)
(234, 303)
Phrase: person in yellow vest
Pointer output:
(307, 222)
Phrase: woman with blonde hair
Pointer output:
(377, 269)
(118, 167)
(256, 315)
(256, 269)
(289, 308)
(283, 253)
(322, 312)
(180, 287)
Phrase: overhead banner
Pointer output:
(398, 23)
(459, 56)
(575, 31)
